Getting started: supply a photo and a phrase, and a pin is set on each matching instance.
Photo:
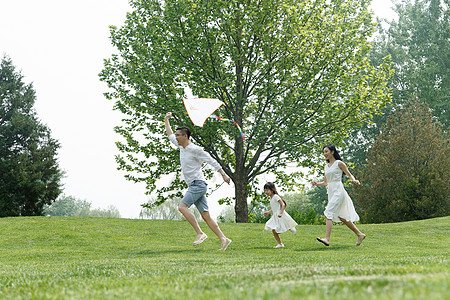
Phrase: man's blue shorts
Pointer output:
(196, 194)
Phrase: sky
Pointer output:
(59, 47)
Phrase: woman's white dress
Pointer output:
(282, 224)
(339, 202)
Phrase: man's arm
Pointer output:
(167, 123)
(202, 155)
(224, 176)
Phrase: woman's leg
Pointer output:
(326, 240)
(352, 226)
(329, 224)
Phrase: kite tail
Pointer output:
(231, 121)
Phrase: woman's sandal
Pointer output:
(323, 241)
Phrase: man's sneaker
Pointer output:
(224, 245)
(200, 239)
(279, 246)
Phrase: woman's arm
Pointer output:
(323, 183)
(344, 169)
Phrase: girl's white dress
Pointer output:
(339, 202)
(282, 224)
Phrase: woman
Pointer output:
(340, 207)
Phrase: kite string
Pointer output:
(231, 121)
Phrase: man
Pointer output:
(191, 159)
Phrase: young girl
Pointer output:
(280, 221)
(340, 207)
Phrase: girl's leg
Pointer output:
(352, 226)
(277, 237)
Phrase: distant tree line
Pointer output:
(73, 207)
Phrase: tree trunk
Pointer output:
(241, 192)
(240, 183)
(241, 178)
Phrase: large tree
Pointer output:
(418, 43)
(290, 72)
(407, 171)
(29, 171)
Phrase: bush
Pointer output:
(406, 176)
(227, 215)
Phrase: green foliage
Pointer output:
(30, 176)
(256, 211)
(407, 171)
(92, 258)
(419, 48)
(305, 209)
(73, 207)
(291, 73)
(227, 215)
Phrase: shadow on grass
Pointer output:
(165, 252)
(260, 248)
(324, 248)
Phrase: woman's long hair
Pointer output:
(271, 186)
(335, 153)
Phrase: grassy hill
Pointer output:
(90, 258)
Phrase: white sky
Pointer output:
(59, 46)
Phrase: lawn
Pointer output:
(94, 258)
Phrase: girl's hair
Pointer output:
(271, 186)
(335, 153)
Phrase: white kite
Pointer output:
(200, 109)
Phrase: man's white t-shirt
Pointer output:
(192, 157)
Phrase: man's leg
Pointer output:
(184, 209)
(213, 225)
(195, 192)
(224, 241)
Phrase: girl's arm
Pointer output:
(344, 169)
(323, 183)
(283, 206)
(267, 212)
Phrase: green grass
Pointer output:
(90, 258)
